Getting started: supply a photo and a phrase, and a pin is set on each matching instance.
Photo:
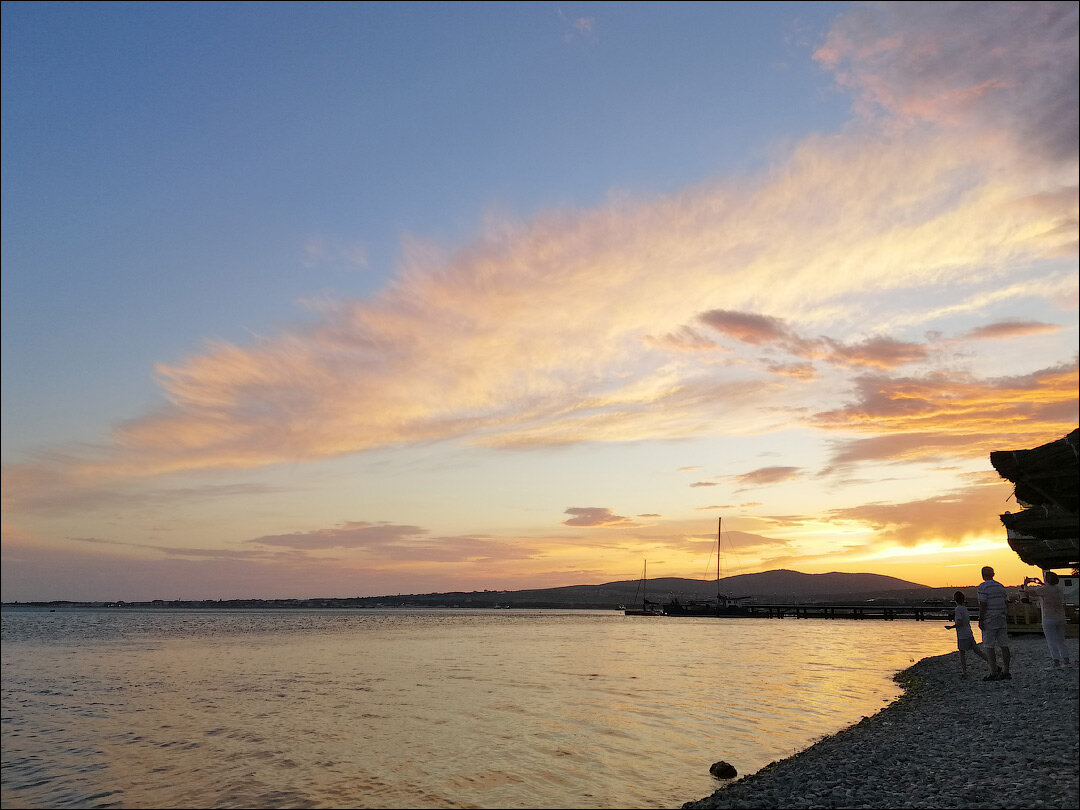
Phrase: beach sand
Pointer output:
(944, 743)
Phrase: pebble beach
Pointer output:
(945, 743)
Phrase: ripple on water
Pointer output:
(476, 709)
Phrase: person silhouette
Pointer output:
(1052, 606)
(965, 639)
(993, 623)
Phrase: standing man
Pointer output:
(992, 622)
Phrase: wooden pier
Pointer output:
(1023, 617)
(919, 613)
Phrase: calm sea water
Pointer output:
(487, 709)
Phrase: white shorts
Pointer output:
(996, 638)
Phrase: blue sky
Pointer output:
(188, 171)
(379, 279)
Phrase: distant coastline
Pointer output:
(330, 603)
(920, 603)
(781, 586)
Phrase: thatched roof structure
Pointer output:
(1046, 532)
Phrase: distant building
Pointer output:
(1071, 586)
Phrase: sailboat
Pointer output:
(647, 608)
(723, 606)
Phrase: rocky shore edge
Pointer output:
(944, 743)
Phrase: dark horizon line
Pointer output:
(460, 599)
(502, 594)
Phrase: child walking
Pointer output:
(965, 639)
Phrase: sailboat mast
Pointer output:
(719, 520)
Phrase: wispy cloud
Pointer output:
(593, 516)
(950, 517)
(320, 251)
(748, 327)
(953, 65)
(1010, 329)
(544, 331)
(876, 352)
(797, 371)
(577, 28)
(584, 24)
(181, 551)
(63, 484)
(953, 415)
(683, 339)
(370, 542)
(458, 348)
(767, 475)
(759, 330)
(349, 535)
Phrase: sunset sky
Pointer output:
(351, 299)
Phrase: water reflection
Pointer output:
(422, 709)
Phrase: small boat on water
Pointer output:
(723, 605)
(647, 608)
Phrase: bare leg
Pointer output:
(980, 653)
(963, 664)
(1005, 656)
(991, 659)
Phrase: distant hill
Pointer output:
(781, 586)
(768, 586)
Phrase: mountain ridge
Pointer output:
(780, 586)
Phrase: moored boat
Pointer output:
(723, 605)
(647, 608)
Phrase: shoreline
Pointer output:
(945, 742)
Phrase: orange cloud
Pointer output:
(797, 371)
(952, 516)
(1010, 329)
(458, 347)
(537, 332)
(879, 352)
(956, 414)
(748, 327)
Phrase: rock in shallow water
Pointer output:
(723, 770)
